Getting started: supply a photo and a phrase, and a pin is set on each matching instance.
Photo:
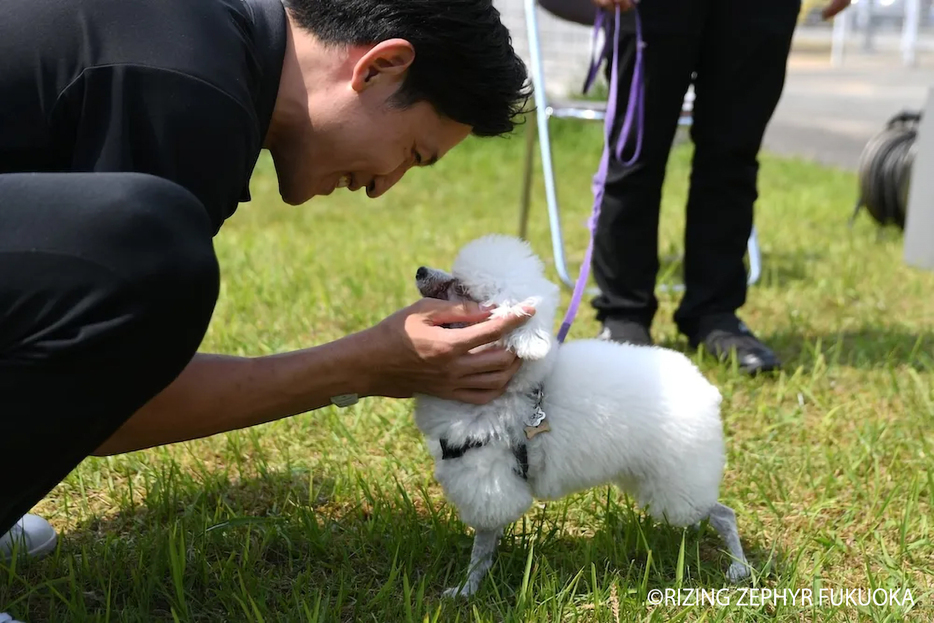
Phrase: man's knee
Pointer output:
(109, 283)
(124, 250)
(164, 233)
(155, 237)
(158, 234)
(145, 229)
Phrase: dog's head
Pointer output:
(503, 272)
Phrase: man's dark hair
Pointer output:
(464, 66)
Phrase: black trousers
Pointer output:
(107, 285)
(735, 51)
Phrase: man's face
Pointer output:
(366, 148)
(350, 136)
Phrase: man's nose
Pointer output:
(382, 183)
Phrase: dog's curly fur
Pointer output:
(641, 417)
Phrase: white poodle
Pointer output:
(578, 415)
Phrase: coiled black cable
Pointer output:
(885, 170)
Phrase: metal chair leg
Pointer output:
(542, 117)
(527, 181)
(755, 259)
(755, 266)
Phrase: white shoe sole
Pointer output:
(36, 553)
(44, 549)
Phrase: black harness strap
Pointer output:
(454, 452)
(522, 457)
(520, 450)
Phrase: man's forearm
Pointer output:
(407, 353)
(218, 393)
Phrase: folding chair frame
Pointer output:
(584, 110)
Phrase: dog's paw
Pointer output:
(462, 592)
(737, 572)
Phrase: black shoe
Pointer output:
(626, 331)
(722, 334)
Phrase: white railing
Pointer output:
(863, 23)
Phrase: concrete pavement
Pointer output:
(827, 114)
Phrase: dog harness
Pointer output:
(535, 423)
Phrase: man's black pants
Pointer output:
(739, 51)
(107, 286)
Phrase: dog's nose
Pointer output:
(421, 273)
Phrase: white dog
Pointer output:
(583, 414)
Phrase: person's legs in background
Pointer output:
(740, 77)
(625, 258)
(107, 285)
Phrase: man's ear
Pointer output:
(532, 340)
(387, 60)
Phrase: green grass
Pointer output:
(334, 515)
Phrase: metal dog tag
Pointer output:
(535, 421)
(535, 418)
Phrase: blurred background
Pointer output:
(846, 77)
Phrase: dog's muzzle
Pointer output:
(433, 283)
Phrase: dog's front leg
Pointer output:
(481, 559)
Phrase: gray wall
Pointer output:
(565, 46)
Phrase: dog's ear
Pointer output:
(532, 340)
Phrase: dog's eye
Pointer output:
(460, 290)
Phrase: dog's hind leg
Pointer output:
(481, 559)
(723, 520)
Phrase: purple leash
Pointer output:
(636, 101)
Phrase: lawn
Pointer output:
(334, 515)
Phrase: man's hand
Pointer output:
(418, 355)
(834, 7)
(624, 5)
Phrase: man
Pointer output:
(736, 53)
(128, 134)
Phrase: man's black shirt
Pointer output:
(181, 89)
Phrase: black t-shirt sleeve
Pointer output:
(169, 124)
